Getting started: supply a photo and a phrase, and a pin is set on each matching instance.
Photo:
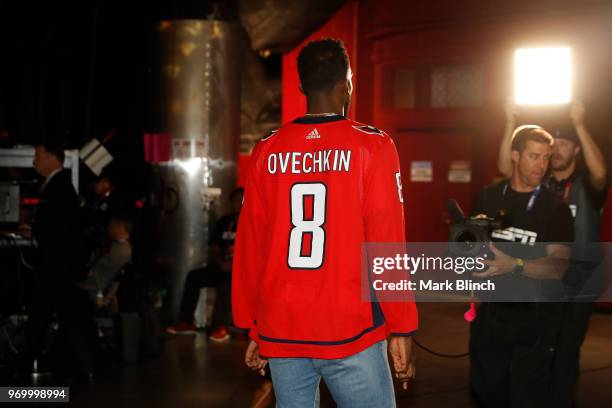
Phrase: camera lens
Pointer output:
(468, 238)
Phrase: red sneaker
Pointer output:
(220, 334)
(182, 328)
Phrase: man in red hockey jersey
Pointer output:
(318, 188)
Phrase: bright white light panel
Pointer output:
(542, 76)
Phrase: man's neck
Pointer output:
(318, 105)
(517, 185)
(560, 175)
(49, 177)
(53, 172)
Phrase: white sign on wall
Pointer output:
(460, 171)
(421, 171)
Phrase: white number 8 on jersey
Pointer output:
(303, 226)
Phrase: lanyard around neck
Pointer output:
(566, 191)
(534, 194)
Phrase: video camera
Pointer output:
(469, 236)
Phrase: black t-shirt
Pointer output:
(224, 235)
(596, 198)
(548, 220)
(525, 233)
(584, 279)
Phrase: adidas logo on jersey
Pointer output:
(314, 134)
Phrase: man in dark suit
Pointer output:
(53, 288)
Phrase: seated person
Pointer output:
(97, 209)
(100, 282)
(216, 274)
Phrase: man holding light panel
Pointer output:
(543, 76)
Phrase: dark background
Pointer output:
(71, 71)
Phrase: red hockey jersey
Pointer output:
(318, 188)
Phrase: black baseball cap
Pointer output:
(567, 132)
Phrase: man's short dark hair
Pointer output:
(56, 149)
(322, 64)
(525, 133)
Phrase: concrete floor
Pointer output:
(442, 380)
(194, 372)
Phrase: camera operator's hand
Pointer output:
(502, 264)
(403, 358)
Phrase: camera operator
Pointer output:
(512, 344)
(585, 192)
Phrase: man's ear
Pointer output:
(349, 85)
(349, 88)
(577, 150)
(515, 156)
(344, 89)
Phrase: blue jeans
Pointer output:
(361, 380)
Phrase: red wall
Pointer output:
(383, 34)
